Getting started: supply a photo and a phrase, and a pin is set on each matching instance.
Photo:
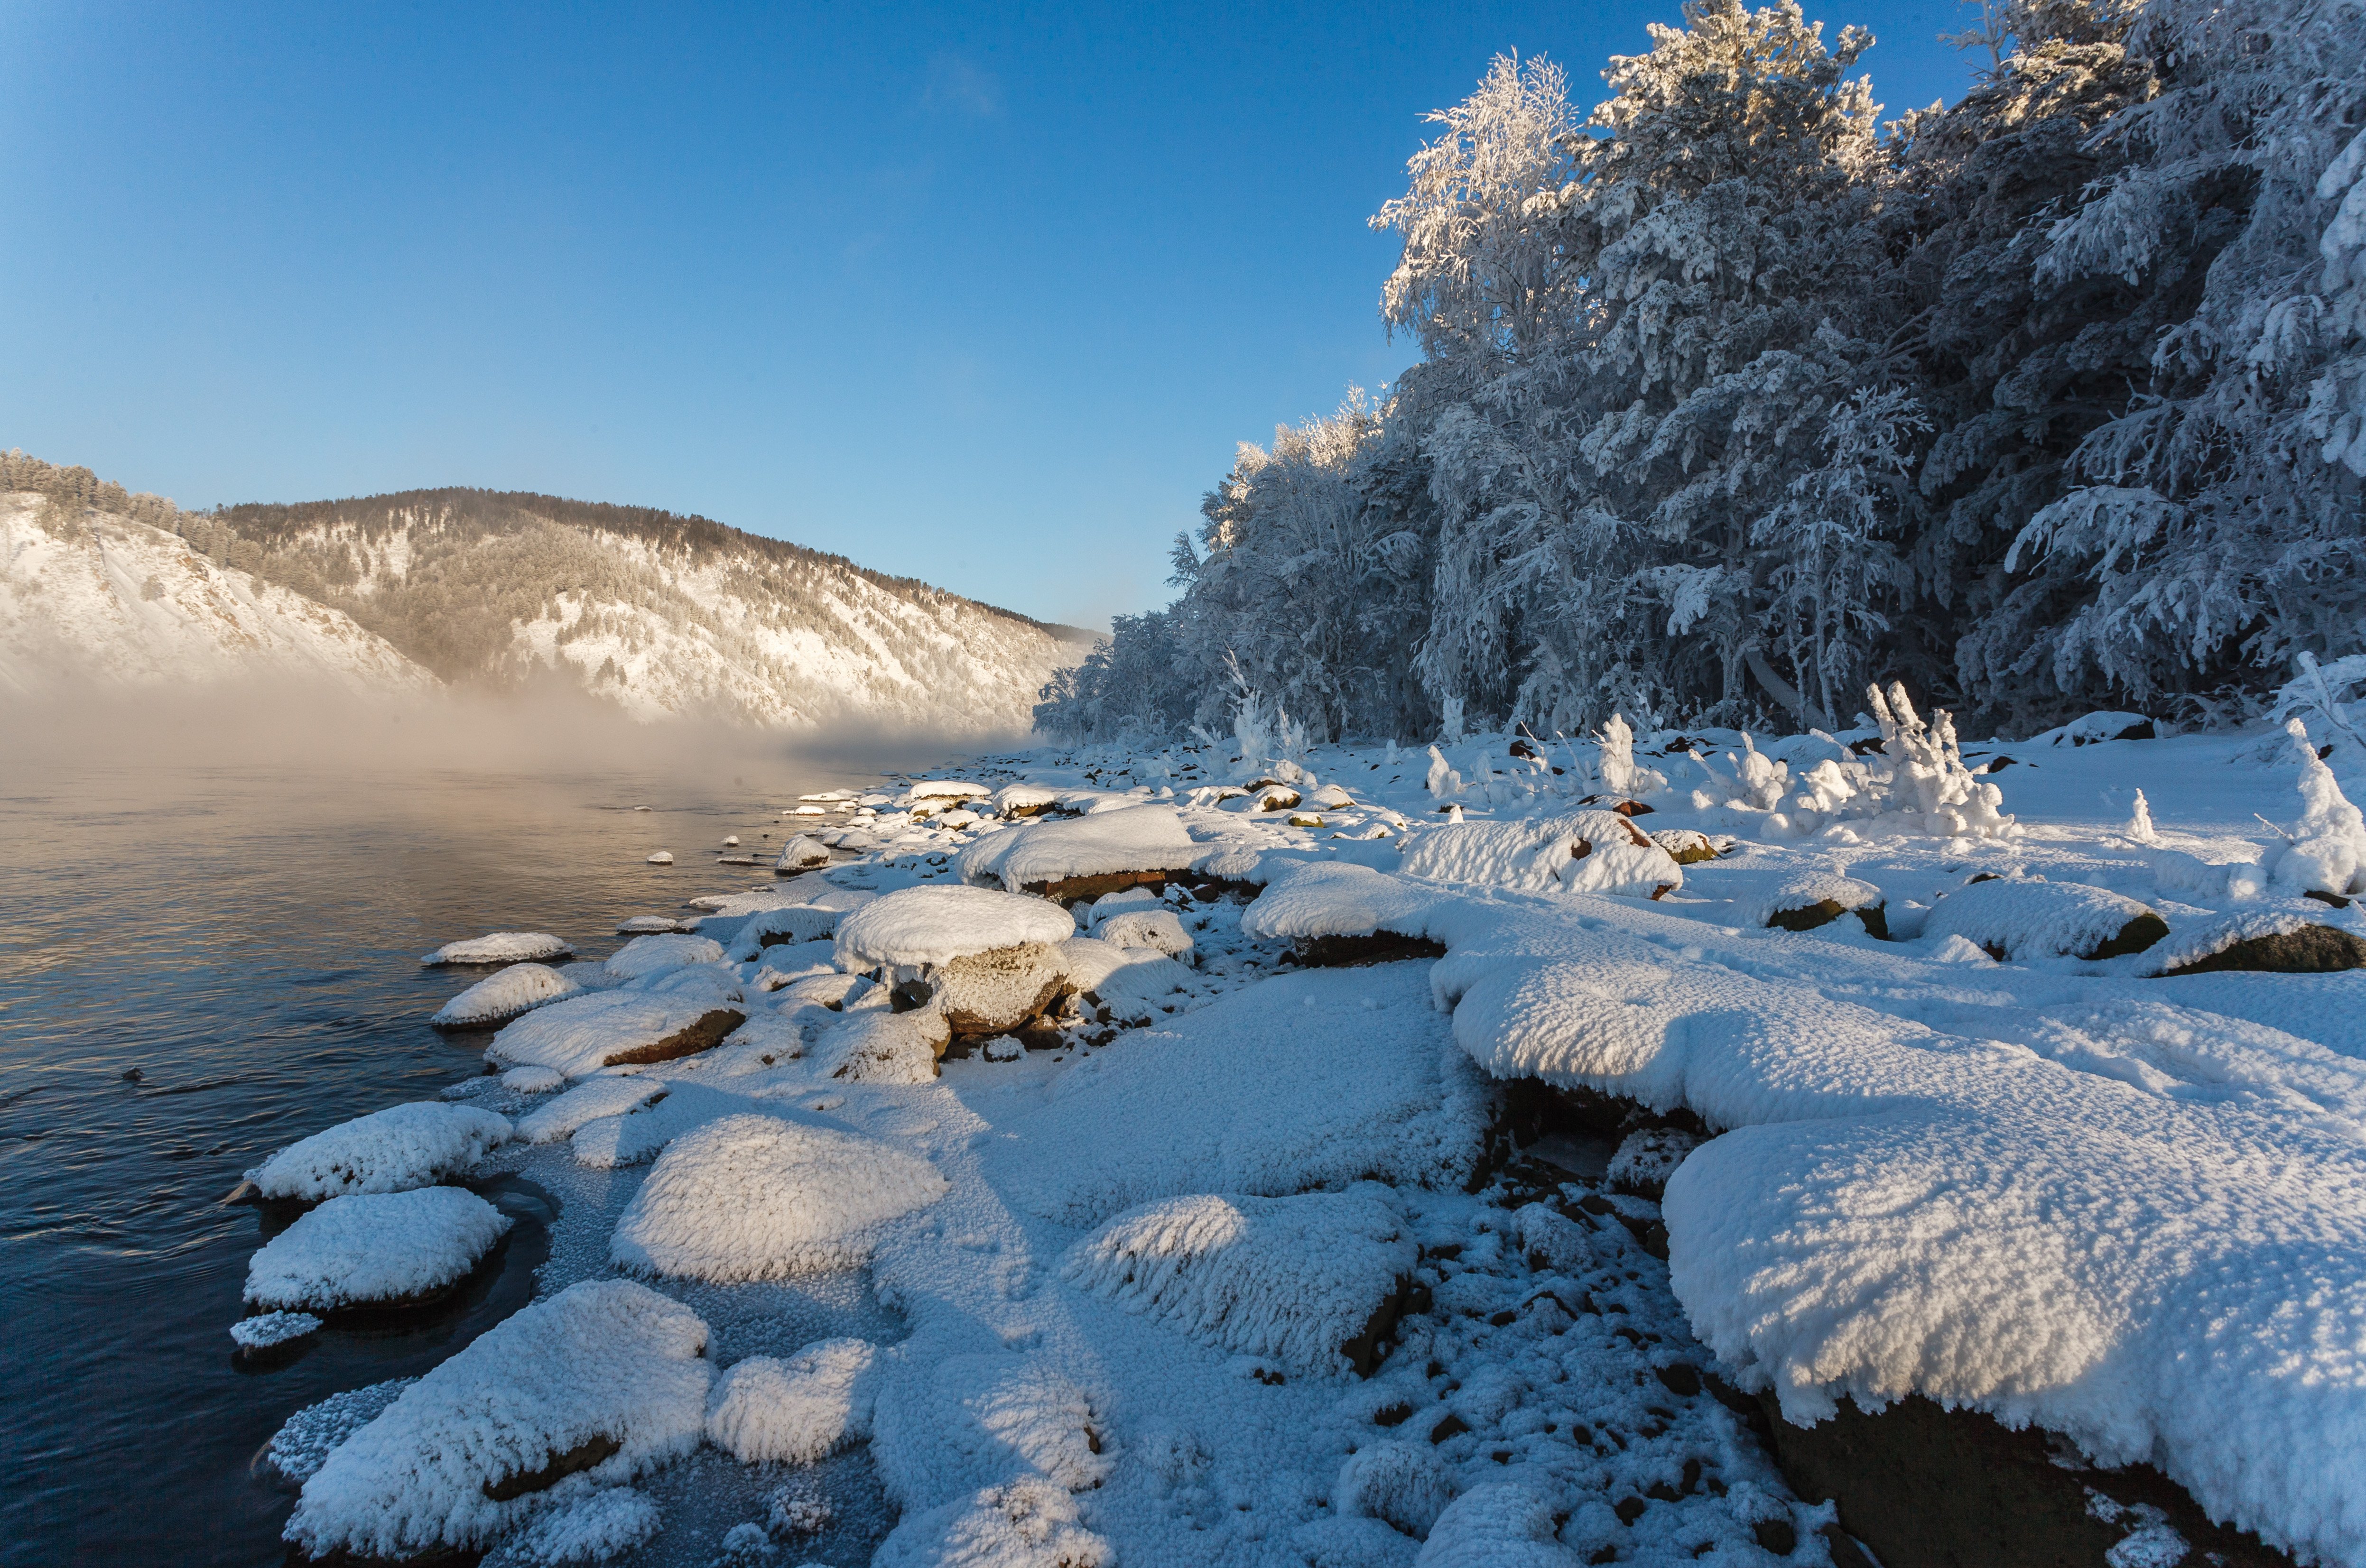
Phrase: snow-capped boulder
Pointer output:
(587, 1101)
(534, 1080)
(1685, 846)
(582, 1035)
(794, 1411)
(945, 790)
(881, 1047)
(2092, 728)
(375, 1249)
(661, 857)
(795, 925)
(272, 1334)
(511, 993)
(2035, 919)
(639, 1136)
(926, 926)
(2276, 942)
(1083, 857)
(755, 1197)
(310, 1436)
(1314, 1281)
(501, 948)
(606, 1379)
(1584, 852)
(386, 1151)
(1023, 800)
(1498, 1525)
(649, 955)
(1804, 900)
(801, 853)
(1156, 929)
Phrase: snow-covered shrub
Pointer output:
(2326, 852)
(1621, 775)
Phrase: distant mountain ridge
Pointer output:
(662, 614)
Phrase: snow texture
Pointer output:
(372, 1248)
(272, 1329)
(649, 955)
(963, 1421)
(501, 948)
(1294, 1279)
(533, 1079)
(879, 1046)
(1130, 838)
(498, 998)
(2026, 920)
(1403, 1485)
(307, 1438)
(754, 1197)
(794, 1411)
(1592, 852)
(386, 1151)
(587, 1101)
(1027, 1524)
(936, 925)
(603, 1362)
(584, 1034)
(605, 1522)
(1498, 1525)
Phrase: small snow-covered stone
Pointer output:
(1807, 900)
(498, 998)
(936, 925)
(802, 853)
(2275, 942)
(386, 1151)
(375, 1249)
(534, 1080)
(1498, 1525)
(2033, 919)
(1646, 1159)
(646, 925)
(662, 857)
(753, 1197)
(501, 948)
(875, 1046)
(795, 925)
(1027, 1523)
(1400, 1484)
(796, 1410)
(1084, 855)
(648, 955)
(581, 1035)
(604, 1522)
(1156, 929)
(273, 1330)
(588, 1101)
(1686, 846)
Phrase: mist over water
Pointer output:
(210, 920)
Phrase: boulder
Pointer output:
(1686, 846)
(2015, 918)
(2270, 943)
(1804, 902)
(801, 853)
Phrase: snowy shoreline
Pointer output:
(1206, 1251)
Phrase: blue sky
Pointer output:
(980, 294)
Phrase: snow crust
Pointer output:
(606, 1359)
(797, 1410)
(936, 925)
(501, 948)
(510, 994)
(386, 1151)
(754, 1197)
(1129, 838)
(374, 1246)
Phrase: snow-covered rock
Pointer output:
(1498, 1524)
(802, 853)
(880, 1046)
(1157, 929)
(1805, 900)
(587, 1101)
(582, 1035)
(501, 948)
(754, 1197)
(511, 993)
(1591, 852)
(593, 1526)
(1296, 1279)
(2017, 919)
(1132, 841)
(1403, 1485)
(955, 1422)
(270, 1331)
(533, 1079)
(607, 1379)
(375, 1249)
(936, 925)
(386, 1151)
(649, 955)
(310, 1436)
(1028, 1523)
(2276, 941)
(794, 1411)
(794, 924)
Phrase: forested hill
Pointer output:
(661, 614)
(1734, 397)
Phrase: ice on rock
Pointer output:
(922, 925)
(615, 1028)
(498, 998)
(599, 1524)
(1029, 1523)
(1131, 840)
(755, 1197)
(271, 1330)
(375, 1249)
(1586, 851)
(795, 925)
(501, 948)
(307, 1439)
(794, 1411)
(607, 1379)
(1498, 1525)
(1296, 1082)
(880, 1046)
(1157, 929)
(2033, 919)
(1294, 1279)
(386, 1151)
(1403, 1485)
(648, 955)
(942, 1427)
(587, 1101)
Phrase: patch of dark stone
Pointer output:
(704, 1034)
(2133, 937)
(1927, 1487)
(591, 1451)
(433, 1557)
(1409, 1298)
(1070, 889)
(1353, 952)
(1823, 911)
(2311, 950)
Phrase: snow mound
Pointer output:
(1309, 901)
(795, 924)
(1803, 901)
(501, 948)
(1157, 929)
(498, 998)
(1028, 1524)
(936, 925)
(310, 1436)
(1498, 1525)
(802, 853)
(587, 1101)
(1300, 1082)
(2273, 940)
(386, 1151)
(1403, 1484)
(946, 789)
(604, 1522)
(613, 1029)
(2091, 728)
(1129, 839)
(2026, 920)
(647, 955)
(943, 1429)
(607, 1379)
(879, 1046)
(373, 1248)
(272, 1329)
(753, 1197)
(1587, 852)
(1294, 1279)
(795, 1411)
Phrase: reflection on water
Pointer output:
(197, 968)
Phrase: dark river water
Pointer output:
(197, 967)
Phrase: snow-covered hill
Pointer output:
(663, 615)
(104, 596)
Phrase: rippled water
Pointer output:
(195, 968)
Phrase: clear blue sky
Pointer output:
(984, 294)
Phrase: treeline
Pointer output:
(1732, 398)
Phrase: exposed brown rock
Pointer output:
(2311, 950)
(703, 1036)
(591, 1451)
(2133, 937)
(1348, 952)
(1068, 889)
